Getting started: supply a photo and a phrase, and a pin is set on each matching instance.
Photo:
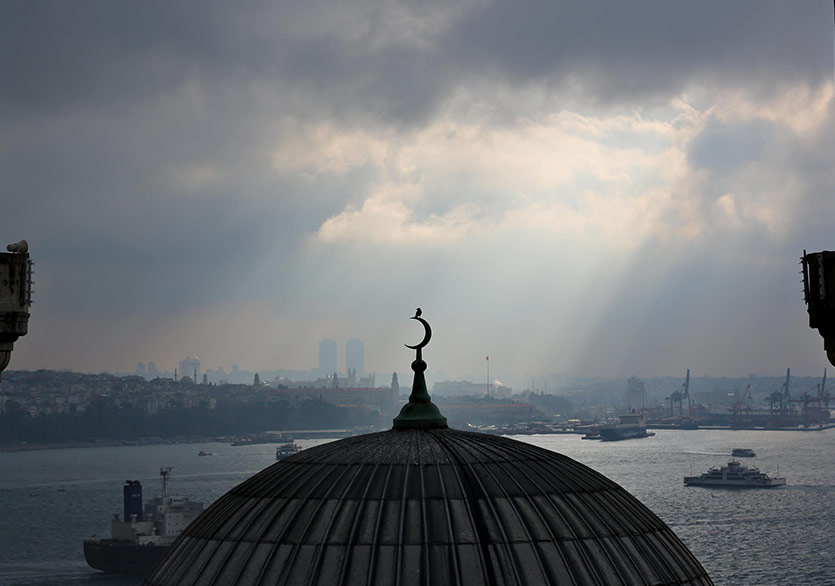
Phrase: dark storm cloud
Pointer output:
(58, 54)
(628, 49)
(107, 107)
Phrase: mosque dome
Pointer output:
(424, 504)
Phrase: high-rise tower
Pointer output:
(635, 394)
(190, 367)
(355, 356)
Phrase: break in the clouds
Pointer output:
(601, 187)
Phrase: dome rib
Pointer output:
(323, 502)
(375, 541)
(398, 565)
(319, 552)
(539, 490)
(610, 524)
(448, 515)
(505, 539)
(514, 478)
(247, 547)
(360, 509)
(464, 488)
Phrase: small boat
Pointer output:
(202, 453)
(734, 475)
(287, 449)
(743, 453)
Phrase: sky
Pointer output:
(595, 188)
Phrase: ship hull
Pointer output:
(114, 556)
(618, 433)
(698, 481)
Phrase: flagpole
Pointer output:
(488, 374)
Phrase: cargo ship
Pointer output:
(630, 426)
(140, 539)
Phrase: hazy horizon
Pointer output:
(405, 376)
(601, 189)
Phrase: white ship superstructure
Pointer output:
(142, 536)
(287, 449)
(631, 425)
(162, 519)
(734, 475)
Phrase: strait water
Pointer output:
(51, 500)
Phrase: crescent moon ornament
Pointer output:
(427, 336)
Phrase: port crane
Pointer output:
(743, 406)
(780, 404)
(815, 409)
(680, 396)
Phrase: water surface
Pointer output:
(51, 500)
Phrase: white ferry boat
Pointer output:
(734, 475)
(287, 449)
(743, 453)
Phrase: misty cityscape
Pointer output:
(385, 292)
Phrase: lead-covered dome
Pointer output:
(423, 505)
(435, 506)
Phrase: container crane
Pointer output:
(780, 404)
(815, 409)
(678, 397)
(742, 406)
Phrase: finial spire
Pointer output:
(420, 412)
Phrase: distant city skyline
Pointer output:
(328, 364)
(518, 382)
(243, 375)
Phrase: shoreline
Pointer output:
(27, 447)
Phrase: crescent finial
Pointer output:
(427, 335)
(420, 412)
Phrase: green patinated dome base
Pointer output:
(420, 416)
